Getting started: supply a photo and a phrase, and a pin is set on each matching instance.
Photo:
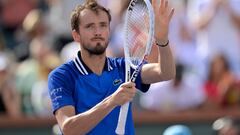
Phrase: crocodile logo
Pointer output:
(117, 82)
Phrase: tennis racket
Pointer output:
(139, 33)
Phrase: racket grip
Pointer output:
(120, 130)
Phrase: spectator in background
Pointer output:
(9, 96)
(34, 70)
(33, 26)
(221, 87)
(172, 96)
(58, 17)
(225, 126)
(12, 15)
(218, 28)
(183, 37)
(39, 92)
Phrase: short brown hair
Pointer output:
(89, 4)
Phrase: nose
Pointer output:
(97, 32)
(97, 35)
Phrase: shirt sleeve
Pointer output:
(139, 85)
(60, 89)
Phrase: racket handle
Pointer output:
(120, 130)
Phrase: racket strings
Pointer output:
(137, 33)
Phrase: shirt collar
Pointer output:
(84, 69)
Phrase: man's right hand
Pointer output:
(124, 93)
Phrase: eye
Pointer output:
(90, 26)
(103, 25)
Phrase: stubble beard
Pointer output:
(97, 50)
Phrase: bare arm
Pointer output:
(82, 123)
(206, 16)
(234, 16)
(72, 124)
(164, 69)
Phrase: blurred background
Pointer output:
(203, 99)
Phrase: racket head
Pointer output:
(138, 35)
(138, 31)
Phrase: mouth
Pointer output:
(97, 39)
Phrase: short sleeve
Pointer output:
(120, 63)
(141, 86)
(60, 89)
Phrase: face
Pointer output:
(218, 66)
(94, 32)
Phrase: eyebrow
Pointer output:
(103, 22)
(90, 24)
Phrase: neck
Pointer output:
(94, 62)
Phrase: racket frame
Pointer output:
(120, 130)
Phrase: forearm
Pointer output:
(84, 122)
(167, 63)
(205, 18)
(153, 56)
(162, 70)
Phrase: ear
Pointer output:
(76, 36)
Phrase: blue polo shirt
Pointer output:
(73, 83)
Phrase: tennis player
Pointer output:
(87, 92)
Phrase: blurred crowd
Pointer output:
(205, 37)
(35, 37)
